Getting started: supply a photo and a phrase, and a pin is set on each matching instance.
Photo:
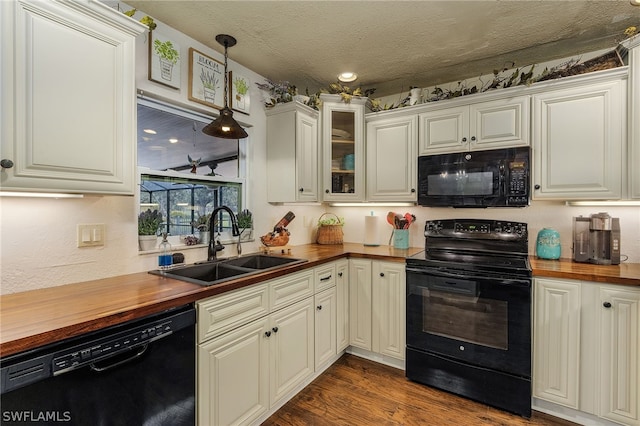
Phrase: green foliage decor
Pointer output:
(245, 219)
(149, 222)
(241, 86)
(166, 50)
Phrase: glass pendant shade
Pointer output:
(225, 126)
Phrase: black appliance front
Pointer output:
(140, 373)
(492, 178)
(470, 334)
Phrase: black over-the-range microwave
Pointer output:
(492, 178)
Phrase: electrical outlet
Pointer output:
(90, 234)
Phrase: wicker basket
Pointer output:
(329, 234)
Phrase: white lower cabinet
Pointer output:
(377, 302)
(586, 354)
(342, 305)
(233, 376)
(291, 341)
(325, 326)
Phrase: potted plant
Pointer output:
(149, 222)
(245, 222)
(202, 225)
(168, 57)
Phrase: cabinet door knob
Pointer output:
(6, 164)
(413, 190)
(382, 274)
(275, 329)
(319, 307)
(301, 189)
(326, 191)
(339, 274)
(267, 333)
(536, 186)
(606, 304)
(464, 140)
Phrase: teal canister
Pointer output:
(548, 244)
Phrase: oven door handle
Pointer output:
(445, 274)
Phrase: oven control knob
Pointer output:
(461, 348)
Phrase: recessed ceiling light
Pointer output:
(150, 131)
(173, 140)
(347, 77)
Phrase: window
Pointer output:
(184, 173)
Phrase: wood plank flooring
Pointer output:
(355, 391)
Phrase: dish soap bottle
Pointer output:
(165, 258)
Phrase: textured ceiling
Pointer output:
(396, 44)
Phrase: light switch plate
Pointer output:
(90, 234)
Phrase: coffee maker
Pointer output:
(596, 239)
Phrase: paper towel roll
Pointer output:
(371, 231)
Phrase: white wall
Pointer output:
(38, 236)
(538, 215)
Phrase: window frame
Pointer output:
(241, 180)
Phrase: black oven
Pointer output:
(469, 312)
(494, 178)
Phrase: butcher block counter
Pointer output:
(34, 318)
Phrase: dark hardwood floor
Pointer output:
(355, 391)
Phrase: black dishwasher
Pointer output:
(138, 373)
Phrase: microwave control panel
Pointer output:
(518, 184)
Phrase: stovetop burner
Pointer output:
(475, 245)
(472, 261)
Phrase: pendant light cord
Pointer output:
(226, 83)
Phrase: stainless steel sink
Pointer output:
(220, 271)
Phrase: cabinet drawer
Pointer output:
(325, 277)
(219, 314)
(290, 289)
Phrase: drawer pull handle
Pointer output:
(325, 278)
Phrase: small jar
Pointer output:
(548, 244)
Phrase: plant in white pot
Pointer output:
(245, 223)
(149, 222)
(202, 225)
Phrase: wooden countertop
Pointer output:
(35, 318)
(625, 273)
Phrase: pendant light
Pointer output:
(225, 126)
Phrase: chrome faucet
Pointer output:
(216, 246)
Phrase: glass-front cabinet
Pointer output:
(343, 147)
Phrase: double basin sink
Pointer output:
(219, 271)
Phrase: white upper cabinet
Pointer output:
(633, 45)
(578, 133)
(392, 158)
(68, 97)
(292, 153)
(343, 148)
(490, 124)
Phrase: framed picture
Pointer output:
(206, 79)
(239, 88)
(164, 60)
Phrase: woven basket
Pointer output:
(329, 234)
